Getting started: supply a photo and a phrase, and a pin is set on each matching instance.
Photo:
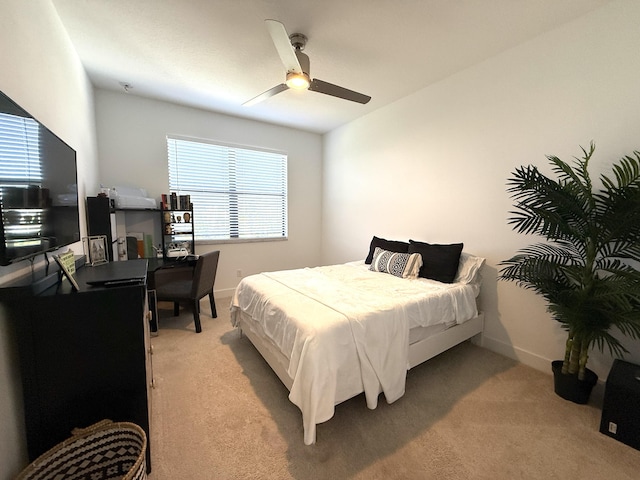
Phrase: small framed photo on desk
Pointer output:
(66, 273)
(95, 250)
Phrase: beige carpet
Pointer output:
(219, 412)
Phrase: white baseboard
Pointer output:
(224, 293)
(531, 359)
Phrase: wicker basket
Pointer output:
(104, 451)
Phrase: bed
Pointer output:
(333, 332)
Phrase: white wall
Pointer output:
(132, 149)
(433, 166)
(41, 72)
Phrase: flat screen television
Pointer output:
(38, 187)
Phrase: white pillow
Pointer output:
(402, 265)
(468, 268)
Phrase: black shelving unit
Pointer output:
(178, 237)
(99, 211)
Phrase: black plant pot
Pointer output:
(569, 387)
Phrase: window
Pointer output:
(237, 193)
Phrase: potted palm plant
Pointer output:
(587, 269)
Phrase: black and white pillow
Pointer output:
(402, 265)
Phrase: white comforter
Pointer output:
(345, 329)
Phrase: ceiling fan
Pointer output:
(290, 48)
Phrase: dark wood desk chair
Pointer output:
(184, 284)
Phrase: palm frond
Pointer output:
(629, 324)
(627, 173)
(545, 207)
(616, 349)
(578, 176)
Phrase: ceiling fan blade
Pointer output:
(264, 95)
(336, 91)
(283, 46)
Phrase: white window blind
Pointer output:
(237, 193)
(20, 162)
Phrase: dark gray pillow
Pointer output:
(439, 262)
(389, 245)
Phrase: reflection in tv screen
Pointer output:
(38, 187)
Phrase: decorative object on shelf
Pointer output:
(122, 249)
(177, 252)
(95, 250)
(64, 272)
(585, 271)
(187, 217)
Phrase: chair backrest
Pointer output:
(204, 274)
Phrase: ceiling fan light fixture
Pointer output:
(297, 66)
(298, 81)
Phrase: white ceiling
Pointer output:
(216, 54)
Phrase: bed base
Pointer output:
(419, 352)
(276, 360)
(429, 347)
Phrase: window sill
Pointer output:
(240, 240)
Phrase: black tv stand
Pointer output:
(84, 356)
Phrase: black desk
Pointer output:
(156, 262)
(131, 270)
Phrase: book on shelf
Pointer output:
(174, 201)
(149, 251)
(185, 201)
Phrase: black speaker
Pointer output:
(621, 408)
(99, 220)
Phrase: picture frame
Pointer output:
(95, 250)
(66, 273)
